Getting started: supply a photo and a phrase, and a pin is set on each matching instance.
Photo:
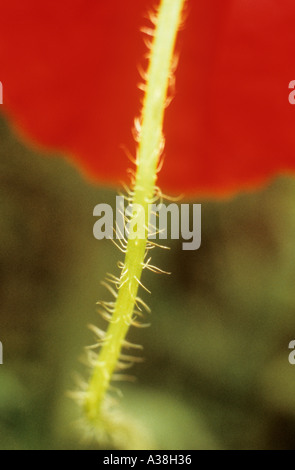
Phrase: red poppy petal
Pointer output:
(69, 72)
(237, 95)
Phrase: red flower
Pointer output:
(69, 74)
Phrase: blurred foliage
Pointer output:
(216, 373)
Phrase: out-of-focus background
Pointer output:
(216, 373)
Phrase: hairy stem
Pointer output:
(149, 151)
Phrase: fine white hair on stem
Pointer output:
(126, 307)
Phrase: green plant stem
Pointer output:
(151, 141)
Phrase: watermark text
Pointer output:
(292, 94)
(292, 354)
(134, 222)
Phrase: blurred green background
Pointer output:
(216, 373)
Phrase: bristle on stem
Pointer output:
(148, 133)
